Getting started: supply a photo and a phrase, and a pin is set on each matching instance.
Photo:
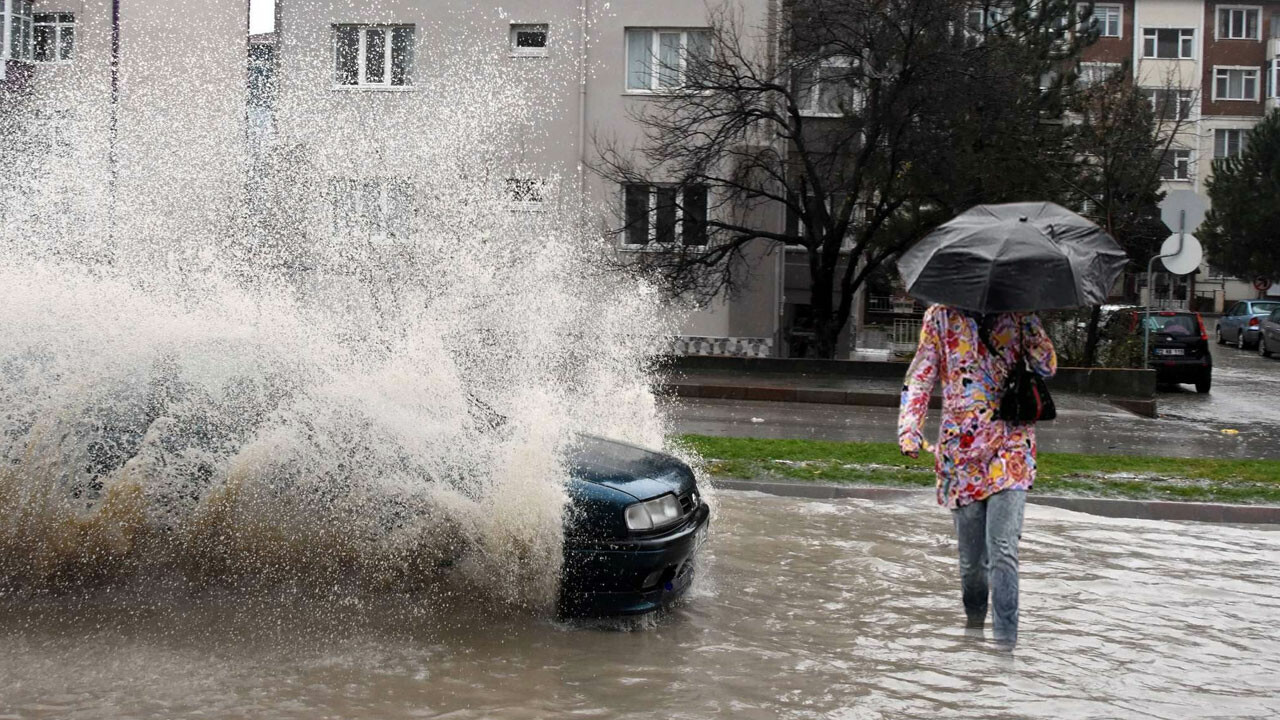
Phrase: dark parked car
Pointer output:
(635, 523)
(1180, 348)
(1269, 334)
(1240, 324)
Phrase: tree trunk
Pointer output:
(1092, 338)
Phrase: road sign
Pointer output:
(1260, 283)
(1175, 203)
(1186, 261)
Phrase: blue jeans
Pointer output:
(988, 532)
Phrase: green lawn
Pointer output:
(1204, 480)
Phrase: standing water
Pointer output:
(845, 609)
(284, 436)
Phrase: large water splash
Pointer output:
(284, 364)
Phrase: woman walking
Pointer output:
(984, 465)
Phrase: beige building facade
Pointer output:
(377, 78)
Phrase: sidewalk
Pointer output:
(843, 390)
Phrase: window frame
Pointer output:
(1182, 157)
(22, 13)
(1156, 40)
(1184, 95)
(655, 49)
(1217, 22)
(537, 187)
(1093, 19)
(651, 243)
(814, 94)
(1241, 134)
(388, 30)
(58, 25)
(1110, 69)
(356, 209)
(535, 52)
(1257, 82)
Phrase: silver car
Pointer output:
(1240, 324)
(1269, 334)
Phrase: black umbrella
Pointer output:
(1017, 257)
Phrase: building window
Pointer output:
(1170, 104)
(826, 88)
(1095, 73)
(373, 55)
(16, 26)
(529, 40)
(660, 60)
(1108, 19)
(665, 215)
(1176, 44)
(1238, 23)
(54, 37)
(1175, 165)
(526, 193)
(1235, 83)
(375, 208)
(1228, 143)
(1273, 78)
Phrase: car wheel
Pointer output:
(1221, 340)
(1262, 346)
(1240, 340)
(1202, 385)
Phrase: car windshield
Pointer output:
(1173, 324)
(1265, 307)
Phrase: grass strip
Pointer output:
(1144, 478)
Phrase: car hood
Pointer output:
(638, 472)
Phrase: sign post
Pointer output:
(1181, 251)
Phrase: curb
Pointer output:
(1137, 406)
(1104, 507)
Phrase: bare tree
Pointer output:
(1122, 137)
(866, 123)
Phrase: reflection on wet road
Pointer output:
(805, 609)
(1245, 396)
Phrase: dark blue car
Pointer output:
(632, 531)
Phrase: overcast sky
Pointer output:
(261, 15)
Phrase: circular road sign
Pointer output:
(1181, 263)
(1261, 283)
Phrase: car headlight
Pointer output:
(653, 513)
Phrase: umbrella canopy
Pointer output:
(1017, 257)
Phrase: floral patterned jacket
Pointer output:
(978, 454)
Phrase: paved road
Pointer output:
(1245, 398)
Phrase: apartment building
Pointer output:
(1209, 67)
(360, 76)
(120, 91)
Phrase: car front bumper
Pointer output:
(1184, 370)
(632, 576)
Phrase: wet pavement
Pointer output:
(803, 609)
(1245, 398)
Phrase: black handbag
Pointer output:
(1026, 397)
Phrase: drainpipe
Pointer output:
(112, 131)
(583, 18)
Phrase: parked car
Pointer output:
(1240, 324)
(1269, 334)
(1180, 348)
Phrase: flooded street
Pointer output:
(841, 609)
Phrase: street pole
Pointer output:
(1151, 291)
